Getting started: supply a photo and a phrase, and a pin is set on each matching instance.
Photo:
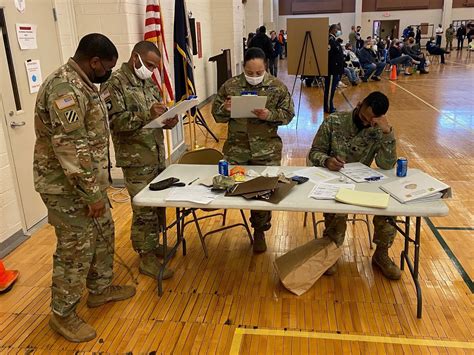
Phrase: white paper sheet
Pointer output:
(271, 171)
(325, 191)
(33, 71)
(316, 174)
(242, 106)
(178, 109)
(359, 172)
(193, 193)
(26, 35)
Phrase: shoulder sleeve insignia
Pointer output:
(71, 116)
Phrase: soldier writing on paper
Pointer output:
(133, 100)
(362, 135)
(71, 172)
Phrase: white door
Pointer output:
(19, 114)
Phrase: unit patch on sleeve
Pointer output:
(71, 116)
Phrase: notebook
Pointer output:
(362, 198)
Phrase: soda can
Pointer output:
(402, 167)
(223, 167)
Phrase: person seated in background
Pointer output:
(433, 49)
(397, 57)
(351, 56)
(382, 49)
(361, 135)
(413, 50)
(369, 63)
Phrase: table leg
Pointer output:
(407, 243)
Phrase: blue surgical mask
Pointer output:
(338, 33)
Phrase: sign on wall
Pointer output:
(33, 70)
(26, 34)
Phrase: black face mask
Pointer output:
(357, 121)
(99, 79)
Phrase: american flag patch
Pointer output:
(71, 116)
(65, 102)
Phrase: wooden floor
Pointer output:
(233, 301)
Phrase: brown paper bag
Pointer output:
(300, 268)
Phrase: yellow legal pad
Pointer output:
(362, 198)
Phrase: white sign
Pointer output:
(20, 5)
(33, 70)
(26, 35)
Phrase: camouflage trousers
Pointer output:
(260, 220)
(84, 253)
(146, 220)
(335, 229)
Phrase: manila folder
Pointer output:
(362, 198)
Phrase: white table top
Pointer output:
(297, 200)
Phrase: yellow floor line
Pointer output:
(240, 332)
(419, 98)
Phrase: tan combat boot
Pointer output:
(150, 266)
(110, 294)
(385, 264)
(259, 245)
(72, 328)
(332, 270)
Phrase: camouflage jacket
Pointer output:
(251, 135)
(339, 136)
(72, 136)
(129, 100)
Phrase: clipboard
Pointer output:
(178, 109)
(242, 106)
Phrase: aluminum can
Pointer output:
(402, 167)
(223, 167)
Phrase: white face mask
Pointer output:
(254, 80)
(143, 73)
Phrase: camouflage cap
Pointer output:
(221, 182)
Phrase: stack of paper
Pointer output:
(419, 187)
(362, 198)
(316, 174)
(359, 172)
(326, 191)
(196, 194)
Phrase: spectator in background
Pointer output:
(350, 56)
(460, 34)
(413, 50)
(276, 47)
(470, 33)
(388, 42)
(261, 40)
(369, 64)
(282, 40)
(449, 37)
(382, 49)
(353, 37)
(249, 39)
(397, 57)
(411, 32)
(335, 68)
(360, 41)
(417, 35)
(439, 35)
(406, 32)
(433, 49)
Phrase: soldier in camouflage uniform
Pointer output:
(71, 172)
(133, 100)
(255, 140)
(359, 136)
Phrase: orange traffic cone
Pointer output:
(7, 278)
(393, 74)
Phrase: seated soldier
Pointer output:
(361, 135)
(433, 49)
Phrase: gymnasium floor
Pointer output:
(233, 301)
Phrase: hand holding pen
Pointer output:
(334, 163)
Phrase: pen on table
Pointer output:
(196, 179)
(373, 178)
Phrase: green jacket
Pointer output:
(339, 136)
(251, 136)
(71, 153)
(129, 100)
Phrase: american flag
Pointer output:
(154, 33)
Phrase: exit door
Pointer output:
(17, 104)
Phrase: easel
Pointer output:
(201, 121)
(308, 39)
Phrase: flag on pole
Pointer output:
(154, 32)
(183, 60)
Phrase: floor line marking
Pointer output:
(419, 98)
(240, 332)
(455, 228)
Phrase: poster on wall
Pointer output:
(33, 70)
(26, 35)
(20, 5)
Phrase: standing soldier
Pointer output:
(133, 100)
(255, 140)
(71, 170)
(449, 37)
(362, 135)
